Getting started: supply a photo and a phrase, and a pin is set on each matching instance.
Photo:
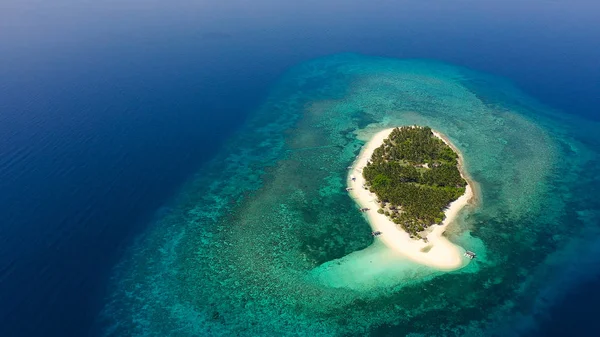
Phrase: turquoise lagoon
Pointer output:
(265, 241)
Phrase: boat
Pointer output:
(377, 233)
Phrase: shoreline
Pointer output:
(439, 252)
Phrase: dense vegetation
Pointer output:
(415, 176)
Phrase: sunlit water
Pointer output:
(248, 246)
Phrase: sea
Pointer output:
(178, 168)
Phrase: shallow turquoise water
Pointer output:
(263, 241)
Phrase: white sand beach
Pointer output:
(438, 252)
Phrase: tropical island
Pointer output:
(409, 183)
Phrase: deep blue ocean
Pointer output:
(107, 109)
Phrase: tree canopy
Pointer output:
(415, 176)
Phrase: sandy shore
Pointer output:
(438, 252)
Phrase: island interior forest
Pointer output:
(415, 176)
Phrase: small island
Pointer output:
(415, 177)
(409, 183)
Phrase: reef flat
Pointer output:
(265, 241)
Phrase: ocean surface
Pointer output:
(178, 169)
